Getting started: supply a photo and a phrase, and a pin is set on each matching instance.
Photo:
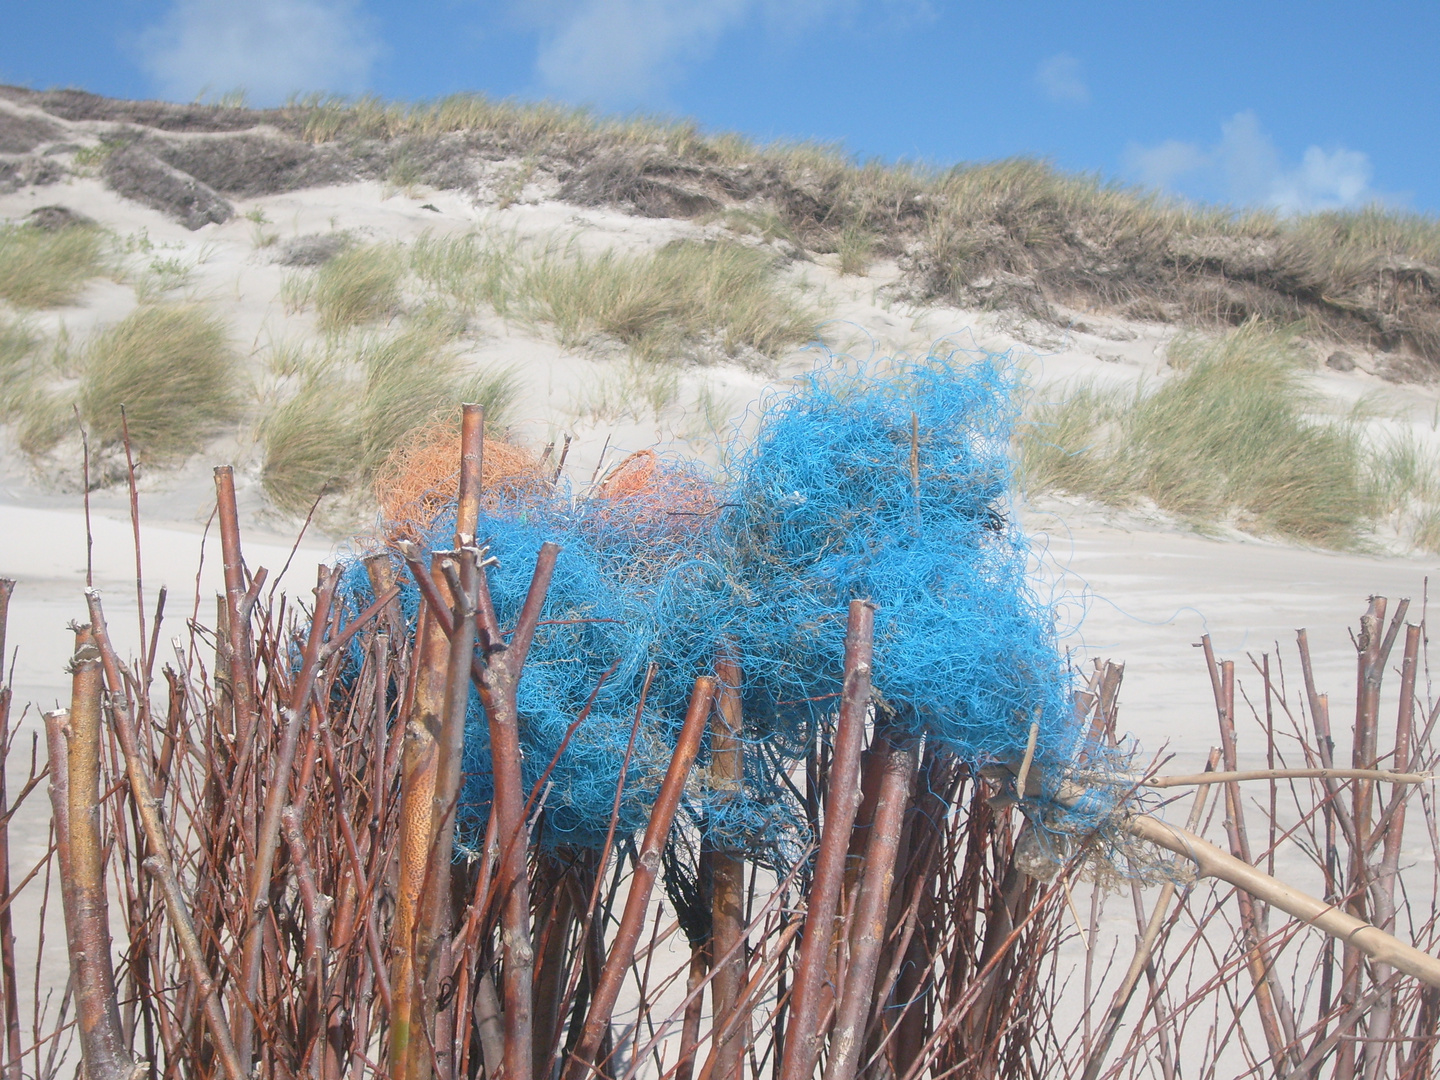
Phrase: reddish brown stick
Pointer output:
(417, 792)
(871, 906)
(498, 686)
(727, 875)
(102, 1043)
(1222, 677)
(460, 569)
(13, 1064)
(842, 799)
(277, 794)
(647, 866)
(160, 862)
(472, 451)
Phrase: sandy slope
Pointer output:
(1132, 588)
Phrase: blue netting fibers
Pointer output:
(889, 484)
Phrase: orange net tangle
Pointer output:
(647, 492)
(420, 480)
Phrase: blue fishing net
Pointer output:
(889, 482)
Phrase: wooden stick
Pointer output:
(102, 1043)
(1195, 779)
(417, 792)
(276, 796)
(460, 569)
(498, 684)
(727, 875)
(160, 862)
(632, 922)
(472, 453)
(14, 1066)
(1212, 862)
(872, 903)
(842, 799)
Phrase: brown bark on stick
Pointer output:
(647, 867)
(1382, 1015)
(417, 792)
(102, 1043)
(472, 450)
(1222, 677)
(13, 1063)
(460, 570)
(872, 903)
(842, 798)
(498, 684)
(276, 796)
(727, 876)
(160, 862)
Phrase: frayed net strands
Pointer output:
(890, 484)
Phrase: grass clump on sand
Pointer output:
(687, 300)
(685, 297)
(43, 268)
(1233, 435)
(172, 368)
(358, 286)
(350, 408)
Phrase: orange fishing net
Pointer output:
(420, 480)
(648, 491)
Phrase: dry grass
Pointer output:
(685, 301)
(172, 368)
(350, 408)
(1233, 436)
(44, 268)
(358, 286)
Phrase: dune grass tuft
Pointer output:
(1234, 435)
(173, 369)
(43, 268)
(664, 304)
(358, 286)
(352, 406)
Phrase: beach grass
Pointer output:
(46, 268)
(1236, 435)
(350, 406)
(361, 285)
(175, 372)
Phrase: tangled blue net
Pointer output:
(889, 483)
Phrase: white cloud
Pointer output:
(624, 51)
(1060, 80)
(629, 52)
(269, 48)
(1245, 167)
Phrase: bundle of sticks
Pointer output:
(271, 827)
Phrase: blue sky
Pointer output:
(1296, 106)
